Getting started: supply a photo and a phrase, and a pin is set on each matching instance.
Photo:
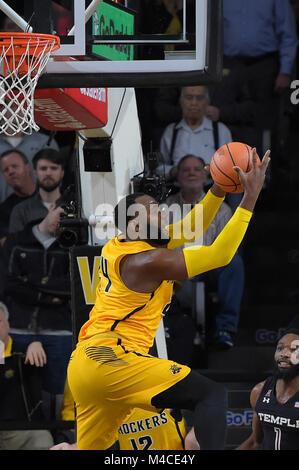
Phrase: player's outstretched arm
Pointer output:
(206, 208)
(221, 252)
(143, 272)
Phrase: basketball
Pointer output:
(223, 161)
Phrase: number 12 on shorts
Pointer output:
(143, 443)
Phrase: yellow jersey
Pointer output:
(145, 430)
(133, 316)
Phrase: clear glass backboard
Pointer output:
(125, 43)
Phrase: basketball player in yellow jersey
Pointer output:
(110, 371)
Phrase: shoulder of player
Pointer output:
(152, 261)
(151, 257)
(153, 266)
(255, 393)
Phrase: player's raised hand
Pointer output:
(253, 180)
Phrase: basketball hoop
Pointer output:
(23, 56)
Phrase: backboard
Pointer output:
(125, 43)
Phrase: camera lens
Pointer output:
(150, 189)
(68, 238)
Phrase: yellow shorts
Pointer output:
(107, 382)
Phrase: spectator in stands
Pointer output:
(194, 134)
(229, 279)
(16, 171)
(15, 168)
(275, 401)
(260, 38)
(230, 103)
(49, 172)
(20, 391)
(37, 287)
(29, 145)
(261, 34)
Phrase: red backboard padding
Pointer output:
(67, 109)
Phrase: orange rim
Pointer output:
(37, 43)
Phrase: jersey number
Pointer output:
(277, 438)
(144, 442)
(104, 269)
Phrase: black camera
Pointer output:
(72, 230)
(150, 183)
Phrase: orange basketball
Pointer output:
(223, 161)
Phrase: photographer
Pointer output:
(37, 285)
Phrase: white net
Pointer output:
(21, 68)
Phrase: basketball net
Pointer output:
(23, 56)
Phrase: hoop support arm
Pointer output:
(88, 13)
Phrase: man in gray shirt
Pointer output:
(194, 134)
